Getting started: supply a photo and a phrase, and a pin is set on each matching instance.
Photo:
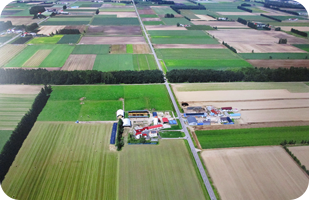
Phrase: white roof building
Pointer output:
(126, 122)
(120, 113)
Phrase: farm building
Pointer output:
(235, 116)
(126, 122)
(155, 114)
(192, 121)
(226, 108)
(195, 114)
(147, 131)
(138, 114)
(164, 120)
(120, 113)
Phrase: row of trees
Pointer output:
(230, 47)
(21, 132)
(42, 76)
(119, 139)
(271, 17)
(169, 15)
(244, 74)
(296, 159)
(299, 32)
(68, 31)
(5, 25)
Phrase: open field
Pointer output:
(210, 139)
(304, 47)
(164, 27)
(151, 19)
(147, 23)
(114, 30)
(22, 40)
(46, 30)
(4, 137)
(221, 24)
(79, 62)
(174, 21)
(274, 56)
(189, 46)
(117, 9)
(199, 27)
(80, 28)
(69, 39)
(37, 58)
(175, 171)
(112, 40)
(69, 23)
(69, 156)
(91, 49)
(141, 49)
(265, 48)
(255, 173)
(113, 62)
(120, 14)
(279, 63)
(146, 11)
(118, 49)
(288, 28)
(162, 10)
(45, 40)
(172, 134)
(20, 20)
(144, 62)
(301, 153)
(8, 52)
(101, 102)
(3, 39)
(115, 21)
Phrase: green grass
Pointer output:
(115, 21)
(304, 47)
(113, 62)
(70, 159)
(66, 19)
(118, 9)
(167, 169)
(266, 56)
(164, 10)
(153, 23)
(102, 102)
(148, 16)
(291, 87)
(223, 7)
(91, 49)
(64, 22)
(189, 14)
(67, 39)
(45, 40)
(289, 23)
(174, 21)
(56, 58)
(256, 18)
(172, 134)
(4, 137)
(144, 62)
(130, 48)
(251, 137)
(199, 27)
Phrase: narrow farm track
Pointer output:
(195, 155)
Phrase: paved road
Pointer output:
(196, 157)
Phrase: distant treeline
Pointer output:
(42, 76)
(271, 17)
(299, 32)
(5, 25)
(243, 21)
(21, 132)
(244, 74)
(245, 9)
(177, 8)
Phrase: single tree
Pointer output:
(64, 7)
(97, 11)
(178, 24)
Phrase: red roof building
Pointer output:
(214, 111)
(164, 120)
(139, 131)
(226, 108)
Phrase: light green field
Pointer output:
(57, 58)
(70, 38)
(144, 62)
(91, 49)
(4, 137)
(130, 48)
(64, 160)
(45, 40)
(297, 87)
(148, 16)
(164, 171)
(113, 62)
(117, 9)
(102, 102)
(69, 19)
(146, 23)
(164, 10)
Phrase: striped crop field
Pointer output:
(61, 160)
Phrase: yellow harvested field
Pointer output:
(300, 28)
(37, 58)
(120, 14)
(203, 17)
(260, 173)
(79, 62)
(163, 27)
(46, 30)
(112, 40)
(8, 51)
(20, 89)
(141, 49)
(301, 153)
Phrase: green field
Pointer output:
(57, 58)
(251, 137)
(4, 137)
(164, 10)
(59, 23)
(189, 14)
(199, 27)
(113, 62)
(130, 48)
(66, 19)
(148, 16)
(67, 39)
(153, 23)
(304, 47)
(144, 62)
(115, 21)
(91, 49)
(66, 160)
(266, 56)
(256, 18)
(172, 134)
(174, 21)
(3, 39)
(223, 7)
(102, 102)
(45, 40)
(164, 171)
(296, 87)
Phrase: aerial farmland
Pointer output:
(180, 99)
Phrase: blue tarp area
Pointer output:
(200, 124)
(113, 136)
(172, 122)
(154, 114)
(235, 115)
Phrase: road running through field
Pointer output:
(193, 150)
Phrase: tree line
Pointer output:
(244, 74)
(21, 132)
(120, 138)
(42, 76)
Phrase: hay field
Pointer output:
(255, 173)
(79, 62)
(46, 30)
(74, 160)
(8, 52)
(141, 49)
(120, 14)
(165, 171)
(45, 40)
(37, 58)
(118, 49)
(301, 153)
(112, 40)
(265, 48)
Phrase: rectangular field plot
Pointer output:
(284, 63)
(79, 62)
(22, 40)
(99, 103)
(162, 10)
(144, 62)
(68, 155)
(46, 30)
(91, 49)
(141, 49)
(301, 153)
(45, 40)
(9, 51)
(114, 62)
(147, 23)
(112, 40)
(268, 56)
(118, 49)
(114, 30)
(115, 21)
(175, 171)
(255, 173)
(37, 58)
(4, 137)
(174, 21)
(69, 39)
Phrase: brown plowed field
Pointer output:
(163, 27)
(46, 30)
(112, 40)
(265, 48)
(80, 28)
(220, 24)
(120, 14)
(37, 58)
(301, 153)
(19, 89)
(79, 62)
(114, 30)
(20, 20)
(147, 11)
(274, 64)
(118, 49)
(8, 51)
(189, 46)
(260, 173)
(141, 49)
(151, 19)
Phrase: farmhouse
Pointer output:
(192, 121)
(150, 131)
(138, 114)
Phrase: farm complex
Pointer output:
(183, 99)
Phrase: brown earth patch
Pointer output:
(46, 30)
(20, 89)
(220, 24)
(146, 11)
(79, 62)
(114, 30)
(274, 64)
(37, 58)
(120, 14)
(203, 17)
(301, 153)
(141, 49)
(151, 19)
(80, 28)
(265, 48)
(112, 40)
(20, 20)
(119, 49)
(163, 27)
(189, 46)
(8, 51)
